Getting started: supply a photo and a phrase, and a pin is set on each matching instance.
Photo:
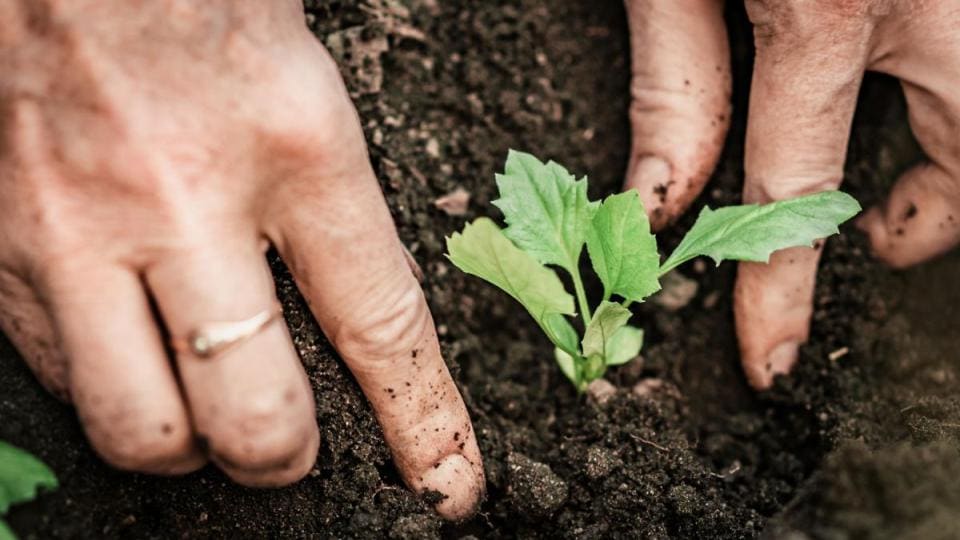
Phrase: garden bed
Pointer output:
(860, 441)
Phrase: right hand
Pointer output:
(811, 56)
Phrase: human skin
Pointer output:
(810, 60)
(150, 152)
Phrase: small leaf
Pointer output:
(624, 346)
(483, 251)
(609, 318)
(593, 368)
(561, 333)
(21, 476)
(567, 365)
(752, 233)
(546, 209)
(622, 250)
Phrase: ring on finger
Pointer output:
(212, 339)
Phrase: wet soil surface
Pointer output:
(854, 445)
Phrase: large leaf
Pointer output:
(21, 476)
(483, 251)
(751, 232)
(546, 209)
(622, 250)
(624, 346)
(609, 318)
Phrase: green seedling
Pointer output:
(21, 477)
(550, 219)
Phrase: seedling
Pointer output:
(21, 476)
(550, 219)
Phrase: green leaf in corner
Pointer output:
(622, 250)
(624, 346)
(609, 318)
(546, 209)
(21, 476)
(5, 532)
(751, 232)
(482, 250)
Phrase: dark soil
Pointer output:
(862, 446)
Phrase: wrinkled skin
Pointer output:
(810, 60)
(151, 152)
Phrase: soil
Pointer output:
(861, 445)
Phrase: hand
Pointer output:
(149, 153)
(811, 56)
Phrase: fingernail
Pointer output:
(454, 477)
(782, 358)
(651, 174)
(761, 371)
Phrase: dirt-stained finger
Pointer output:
(251, 404)
(921, 216)
(341, 246)
(121, 380)
(680, 107)
(802, 100)
(27, 324)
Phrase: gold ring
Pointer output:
(211, 339)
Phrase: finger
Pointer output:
(24, 320)
(342, 249)
(121, 381)
(252, 404)
(921, 217)
(802, 100)
(919, 220)
(680, 107)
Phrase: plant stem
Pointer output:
(581, 296)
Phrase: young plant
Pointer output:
(549, 221)
(21, 476)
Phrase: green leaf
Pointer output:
(546, 209)
(624, 346)
(752, 233)
(21, 476)
(482, 250)
(609, 318)
(5, 532)
(593, 368)
(622, 250)
(561, 333)
(568, 366)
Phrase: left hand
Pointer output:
(149, 153)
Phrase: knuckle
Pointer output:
(787, 19)
(387, 330)
(269, 431)
(788, 187)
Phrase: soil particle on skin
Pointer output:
(862, 445)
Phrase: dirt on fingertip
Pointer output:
(860, 442)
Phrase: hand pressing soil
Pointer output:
(150, 154)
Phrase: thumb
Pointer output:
(680, 105)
